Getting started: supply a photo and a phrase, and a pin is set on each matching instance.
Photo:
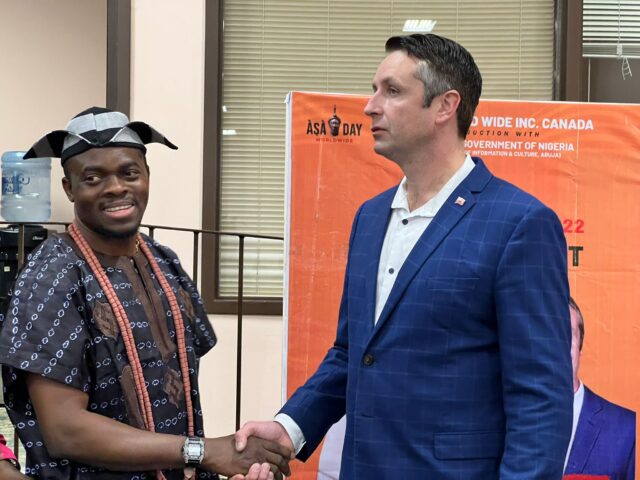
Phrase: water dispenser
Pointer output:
(26, 188)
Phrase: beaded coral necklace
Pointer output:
(127, 334)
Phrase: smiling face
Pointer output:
(109, 188)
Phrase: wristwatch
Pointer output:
(193, 451)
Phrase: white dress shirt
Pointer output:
(403, 232)
(578, 400)
(405, 228)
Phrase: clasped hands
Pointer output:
(266, 446)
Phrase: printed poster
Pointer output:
(582, 160)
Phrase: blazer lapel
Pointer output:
(586, 433)
(447, 217)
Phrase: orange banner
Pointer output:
(582, 160)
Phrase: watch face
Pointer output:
(193, 450)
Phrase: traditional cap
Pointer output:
(95, 128)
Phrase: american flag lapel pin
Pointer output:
(460, 201)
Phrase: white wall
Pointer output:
(52, 66)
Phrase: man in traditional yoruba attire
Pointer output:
(104, 330)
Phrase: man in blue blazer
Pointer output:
(604, 434)
(451, 359)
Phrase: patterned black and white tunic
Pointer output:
(59, 324)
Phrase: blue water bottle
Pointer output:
(26, 188)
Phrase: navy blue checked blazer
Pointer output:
(605, 441)
(467, 373)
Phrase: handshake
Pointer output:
(261, 450)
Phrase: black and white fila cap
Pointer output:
(96, 128)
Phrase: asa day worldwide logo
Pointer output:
(333, 129)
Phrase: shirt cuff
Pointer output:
(293, 430)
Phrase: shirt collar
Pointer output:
(430, 208)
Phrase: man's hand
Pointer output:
(256, 472)
(9, 472)
(222, 457)
(267, 430)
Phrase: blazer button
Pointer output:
(368, 360)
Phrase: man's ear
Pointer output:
(66, 185)
(449, 102)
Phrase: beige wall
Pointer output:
(167, 90)
(261, 372)
(53, 65)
